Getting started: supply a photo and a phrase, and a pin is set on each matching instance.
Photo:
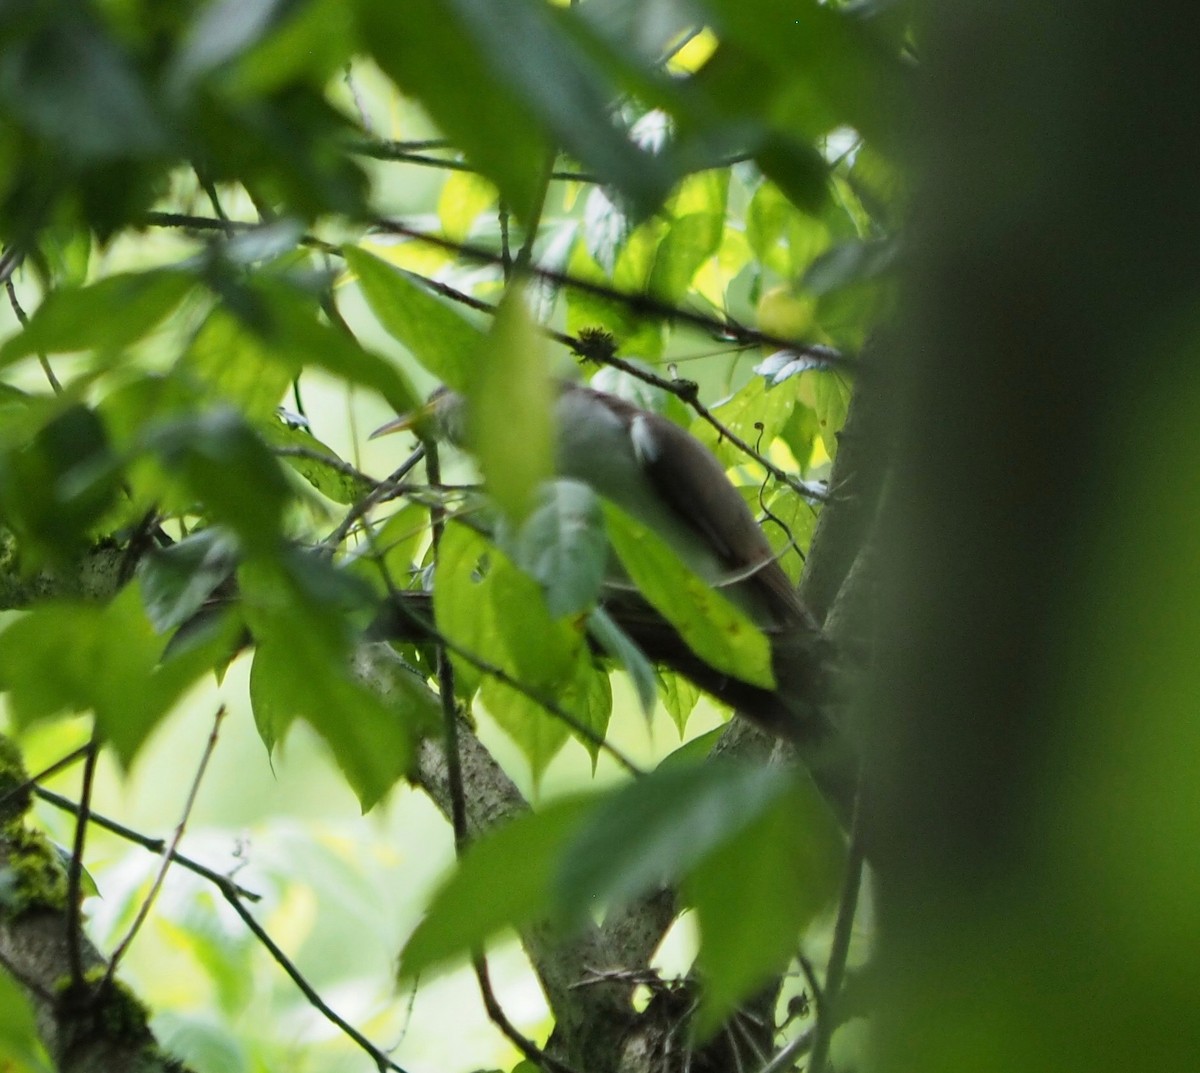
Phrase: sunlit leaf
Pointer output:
(464, 197)
(68, 657)
(753, 413)
(679, 697)
(425, 48)
(316, 462)
(437, 336)
(510, 409)
(832, 402)
(237, 366)
(691, 240)
(462, 608)
(535, 731)
(107, 315)
(371, 739)
(19, 1041)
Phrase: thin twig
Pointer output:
(10, 261)
(525, 254)
(214, 199)
(641, 304)
(191, 222)
(154, 845)
(43, 361)
(445, 676)
(688, 392)
(31, 783)
(311, 454)
(75, 865)
(382, 491)
(784, 1057)
(168, 854)
(499, 1018)
(545, 702)
(381, 1060)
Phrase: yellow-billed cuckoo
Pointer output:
(670, 482)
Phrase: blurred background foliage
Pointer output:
(210, 209)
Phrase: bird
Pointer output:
(662, 476)
(668, 480)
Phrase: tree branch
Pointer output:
(88, 1023)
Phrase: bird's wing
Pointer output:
(690, 478)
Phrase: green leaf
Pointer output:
(691, 241)
(787, 509)
(719, 633)
(756, 892)
(586, 695)
(539, 735)
(487, 606)
(317, 464)
(754, 414)
(220, 33)
(67, 656)
(503, 880)
(299, 337)
(782, 237)
(175, 581)
(679, 697)
(301, 610)
(370, 738)
(510, 409)
(424, 46)
(437, 335)
(237, 366)
(108, 315)
(816, 67)
(565, 76)
(312, 41)
(54, 489)
(654, 830)
(462, 607)
(19, 1041)
(272, 694)
(464, 198)
(390, 555)
(850, 263)
(617, 644)
(832, 402)
(562, 544)
(225, 465)
(72, 85)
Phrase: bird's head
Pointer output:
(443, 417)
